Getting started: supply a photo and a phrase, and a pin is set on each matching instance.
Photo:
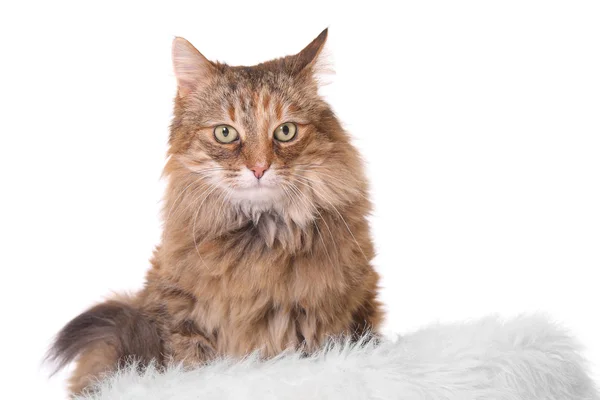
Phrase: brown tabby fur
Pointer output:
(235, 274)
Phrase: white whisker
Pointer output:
(332, 178)
(307, 183)
(307, 201)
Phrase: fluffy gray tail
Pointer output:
(114, 323)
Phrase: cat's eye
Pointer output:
(226, 134)
(285, 132)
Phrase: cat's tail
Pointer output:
(103, 338)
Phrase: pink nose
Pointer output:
(259, 170)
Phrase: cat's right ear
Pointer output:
(192, 69)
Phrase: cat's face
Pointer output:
(252, 132)
(261, 135)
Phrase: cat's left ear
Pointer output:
(192, 69)
(310, 57)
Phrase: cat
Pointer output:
(266, 243)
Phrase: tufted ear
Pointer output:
(192, 69)
(309, 56)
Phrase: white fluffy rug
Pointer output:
(526, 358)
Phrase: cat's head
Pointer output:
(261, 136)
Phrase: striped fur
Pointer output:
(245, 265)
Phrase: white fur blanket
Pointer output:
(526, 358)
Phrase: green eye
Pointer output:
(285, 132)
(226, 134)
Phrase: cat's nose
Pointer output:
(259, 170)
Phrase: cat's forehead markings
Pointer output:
(253, 108)
(278, 110)
(255, 99)
(293, 108)
(232, 86)
(249, 120)
(242, 102)
(232, 112)
(266, 101)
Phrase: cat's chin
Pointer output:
(261, 196)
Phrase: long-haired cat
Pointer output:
(266, 242)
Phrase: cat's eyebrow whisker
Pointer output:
(299, 177)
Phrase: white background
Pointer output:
(479, 122)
